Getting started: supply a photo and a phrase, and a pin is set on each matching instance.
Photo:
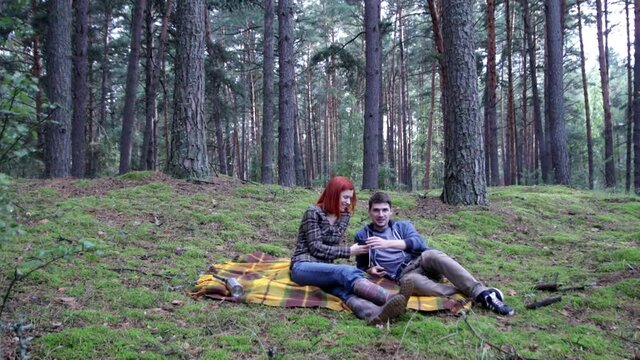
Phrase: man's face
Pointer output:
(380, 215)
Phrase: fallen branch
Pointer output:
(553, 287)
(547, 286)
(543, 302)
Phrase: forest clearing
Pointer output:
(151, 236)
(142, 141)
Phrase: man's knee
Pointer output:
(429, 256)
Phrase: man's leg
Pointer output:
(436, 264)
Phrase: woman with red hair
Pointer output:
(320, 242)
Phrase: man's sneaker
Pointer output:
(492, 299)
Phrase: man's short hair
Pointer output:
(379, 198)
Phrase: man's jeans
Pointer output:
(428, 269)
(335, 279)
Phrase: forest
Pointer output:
(295, 92)
(145, 144)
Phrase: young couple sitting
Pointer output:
(383, 248)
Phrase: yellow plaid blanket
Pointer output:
(266, 281)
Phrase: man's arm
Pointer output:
(410, 240)
(413, 240)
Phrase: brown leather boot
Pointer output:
(374, 314)
(406, 287)
(379, 295)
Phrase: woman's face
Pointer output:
(345, 200)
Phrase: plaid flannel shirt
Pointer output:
(318, 240)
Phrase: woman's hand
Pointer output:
(357, 249)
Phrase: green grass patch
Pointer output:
(152, 242)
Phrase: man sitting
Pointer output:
(398, 252)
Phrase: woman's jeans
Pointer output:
(336, 279)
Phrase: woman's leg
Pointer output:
(336, 279)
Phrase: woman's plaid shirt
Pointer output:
(318, 240)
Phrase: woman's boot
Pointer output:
(374, 314)
(379, 295)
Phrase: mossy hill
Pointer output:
(126, 298)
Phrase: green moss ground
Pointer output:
(153, 236)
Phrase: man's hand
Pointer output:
(357, 249)
(377, 242)
(376, 271)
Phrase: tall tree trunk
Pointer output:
(510, 165)
(57, 133)
(286, 171)
(104, 91)
(373, 69)
(298, 161)
(149, 100)
(80, 88)
(237, 159)
(391, 132)
(609, 163)
(522, 147)
(216, 103)
(188, 155)
(268, 95)
(36, 71)
(464, 178)
(491, 150)
(154, 68)
(541, 162)
(216, 115)
(427, 167)
(587, 108)
(404, 105)
(629, 100)
(636, 98)
(311, 165)
(559, 151)
(129, 112)
(382, 110)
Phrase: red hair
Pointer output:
(330, 198)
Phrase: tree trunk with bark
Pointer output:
(94, 152)
(373, 69)
(286, 133)
(129, 112)
(464, 177)
(268, 66)
(154, 66)
(629, 113)
(188, 156)
(636, 98)
(427, 166)
(80, 88)
(510, 164)
(585, 90)
(57, 132)
(539, 156)
(490, 116)
(609, 161)
(555, 106)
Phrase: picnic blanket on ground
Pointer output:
(266, 280)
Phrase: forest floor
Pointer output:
(151, 236)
